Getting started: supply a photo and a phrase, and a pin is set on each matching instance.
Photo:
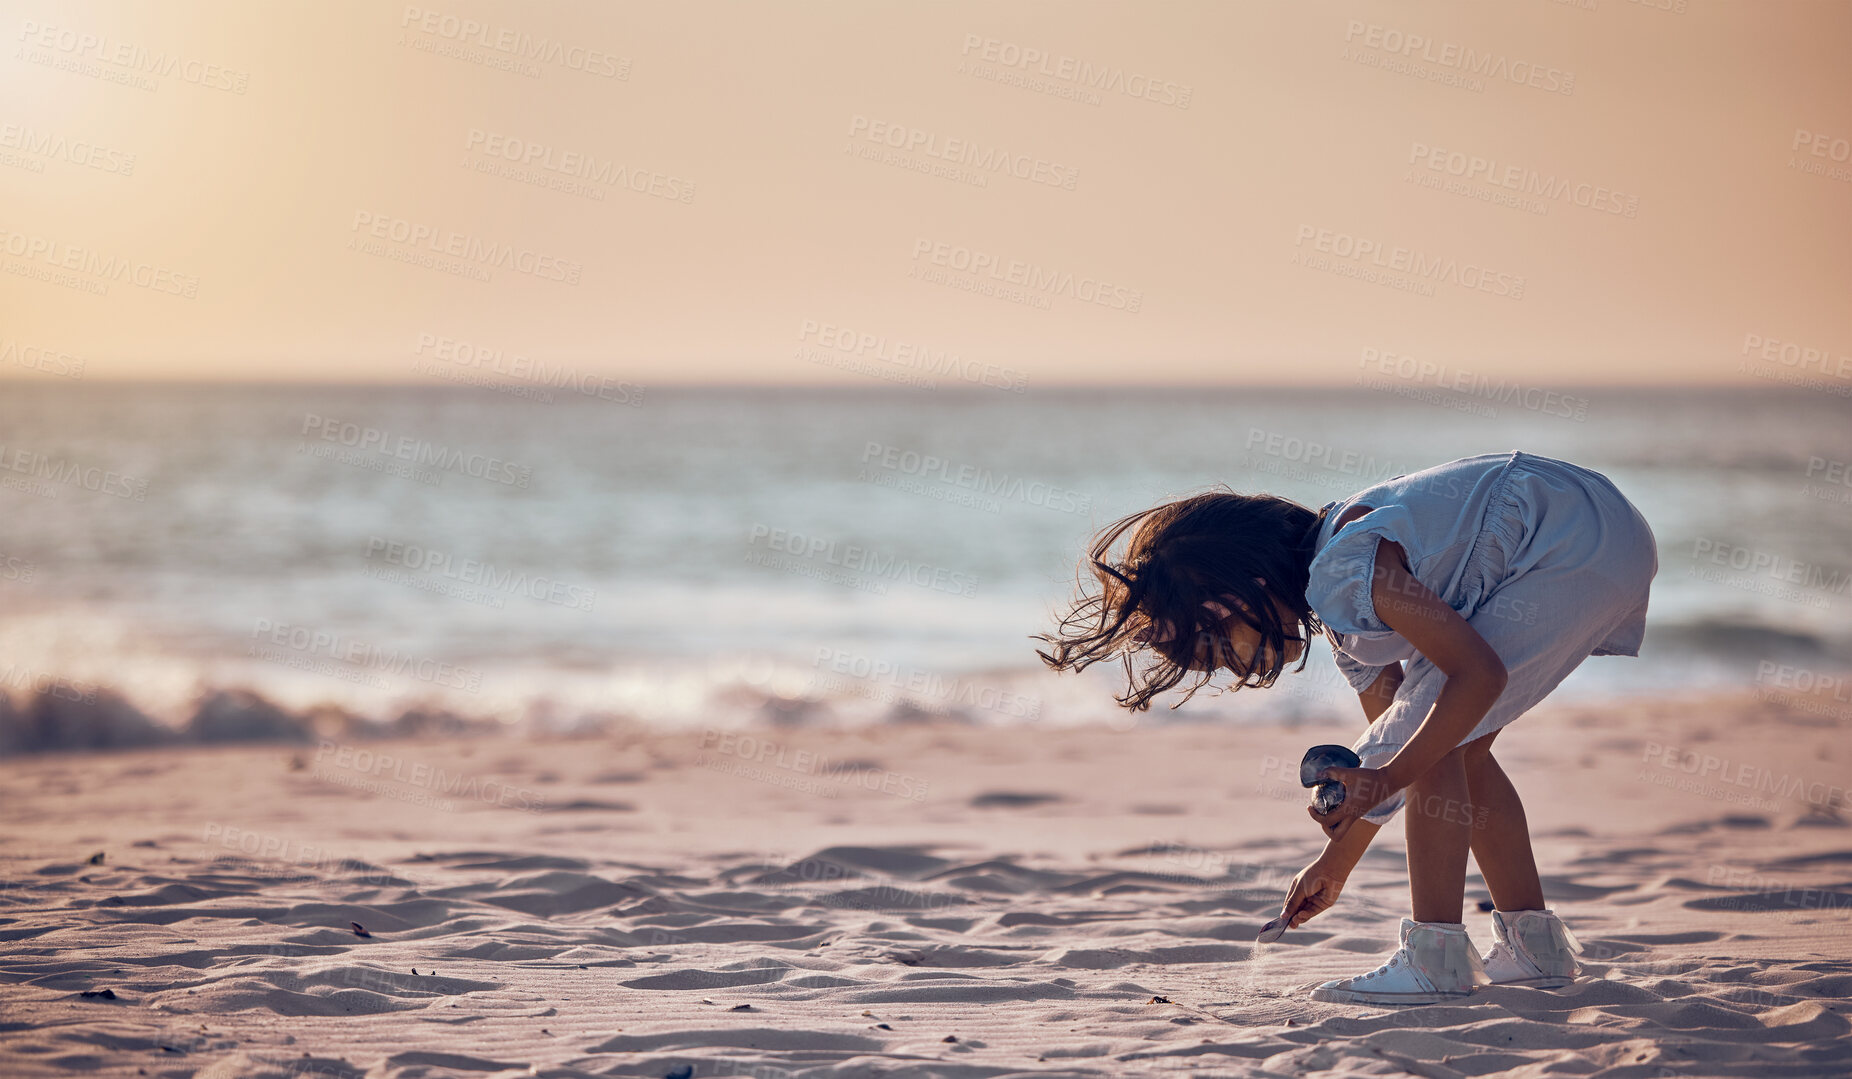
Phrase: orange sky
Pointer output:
(1188, 192)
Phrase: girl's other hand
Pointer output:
(1314, 891)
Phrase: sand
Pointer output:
(963, 902)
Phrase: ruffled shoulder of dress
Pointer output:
(1359, 675)
(1340, 574)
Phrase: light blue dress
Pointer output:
(1545, 559)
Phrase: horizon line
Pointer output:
(957, 385)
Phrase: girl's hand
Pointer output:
(1313, 892)
(1364, 790)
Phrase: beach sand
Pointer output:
(915, 900)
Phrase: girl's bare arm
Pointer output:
(1475, 674)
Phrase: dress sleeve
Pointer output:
(1338, 589)
(1361, 676)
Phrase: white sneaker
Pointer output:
(1436, 962)
(1534, 948)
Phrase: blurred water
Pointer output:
(548, 560)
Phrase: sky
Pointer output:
(1246, 193)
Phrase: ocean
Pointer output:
(720, 556)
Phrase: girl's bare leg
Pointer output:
(1500, 834)
(1439, 834)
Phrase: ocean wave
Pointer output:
(102, 719)
(63, 715)
(1729, 636)
(47, 720)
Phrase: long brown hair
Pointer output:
(1207, 547)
